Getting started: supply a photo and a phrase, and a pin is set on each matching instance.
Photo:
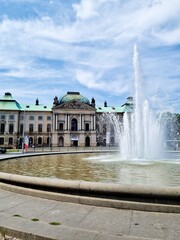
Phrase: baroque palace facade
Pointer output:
(71, 120)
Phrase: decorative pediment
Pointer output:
(74, 105)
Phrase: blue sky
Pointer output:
(49, 47)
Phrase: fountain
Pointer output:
(140, 135)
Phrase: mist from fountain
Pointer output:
(140, 134)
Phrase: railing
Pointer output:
(70, 149)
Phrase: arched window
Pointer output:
(87, 141)
(48, 141)
(30, 141)
(104, 128)
(61, 127)
(40, 140)
(87, 127)
(11, 128)
(61, 141)
(10, 142)
(74, 124)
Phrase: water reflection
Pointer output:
(98, 167)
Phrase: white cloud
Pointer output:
(94, 81)
(86, 9)
(97, 45)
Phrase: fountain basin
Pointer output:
(106, 167)
(146, 198)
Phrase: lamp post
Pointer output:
(24, 127)
(23, 134)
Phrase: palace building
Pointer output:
(71, 120)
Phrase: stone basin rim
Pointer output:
(148, 198)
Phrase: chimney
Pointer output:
(105, 104)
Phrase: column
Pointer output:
(80, 125)
(56, 121)
(82, 122)
(68, 122)
(94, 122)
(65, 118)
(91, 122)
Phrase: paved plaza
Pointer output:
(29, 217)
(26, 217)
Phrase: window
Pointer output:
(104, 128)
(40, 118)
(112, 130)
(74, 125)
(61, 141)
(3, 117)
(49, 118)
(39, 140)
(87, 141)
(31, 128)
(61, 127)
(2, 128)
(11, 128)
(31, 118)
(30, 141)
(39, 127)
(10, 142)
(49, 128)
(22, 117)
(48, 141)
(87, 127)
(11, 117)
(21, 129)
(112, 141)
(1, 141)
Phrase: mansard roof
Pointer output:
(36, 108)
(8, 103)
(126, 107)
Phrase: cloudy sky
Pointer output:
(49, 47)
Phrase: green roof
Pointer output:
(101, 109)
(70, 96)
(8, 103)
(33, 107)
(125, 108)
